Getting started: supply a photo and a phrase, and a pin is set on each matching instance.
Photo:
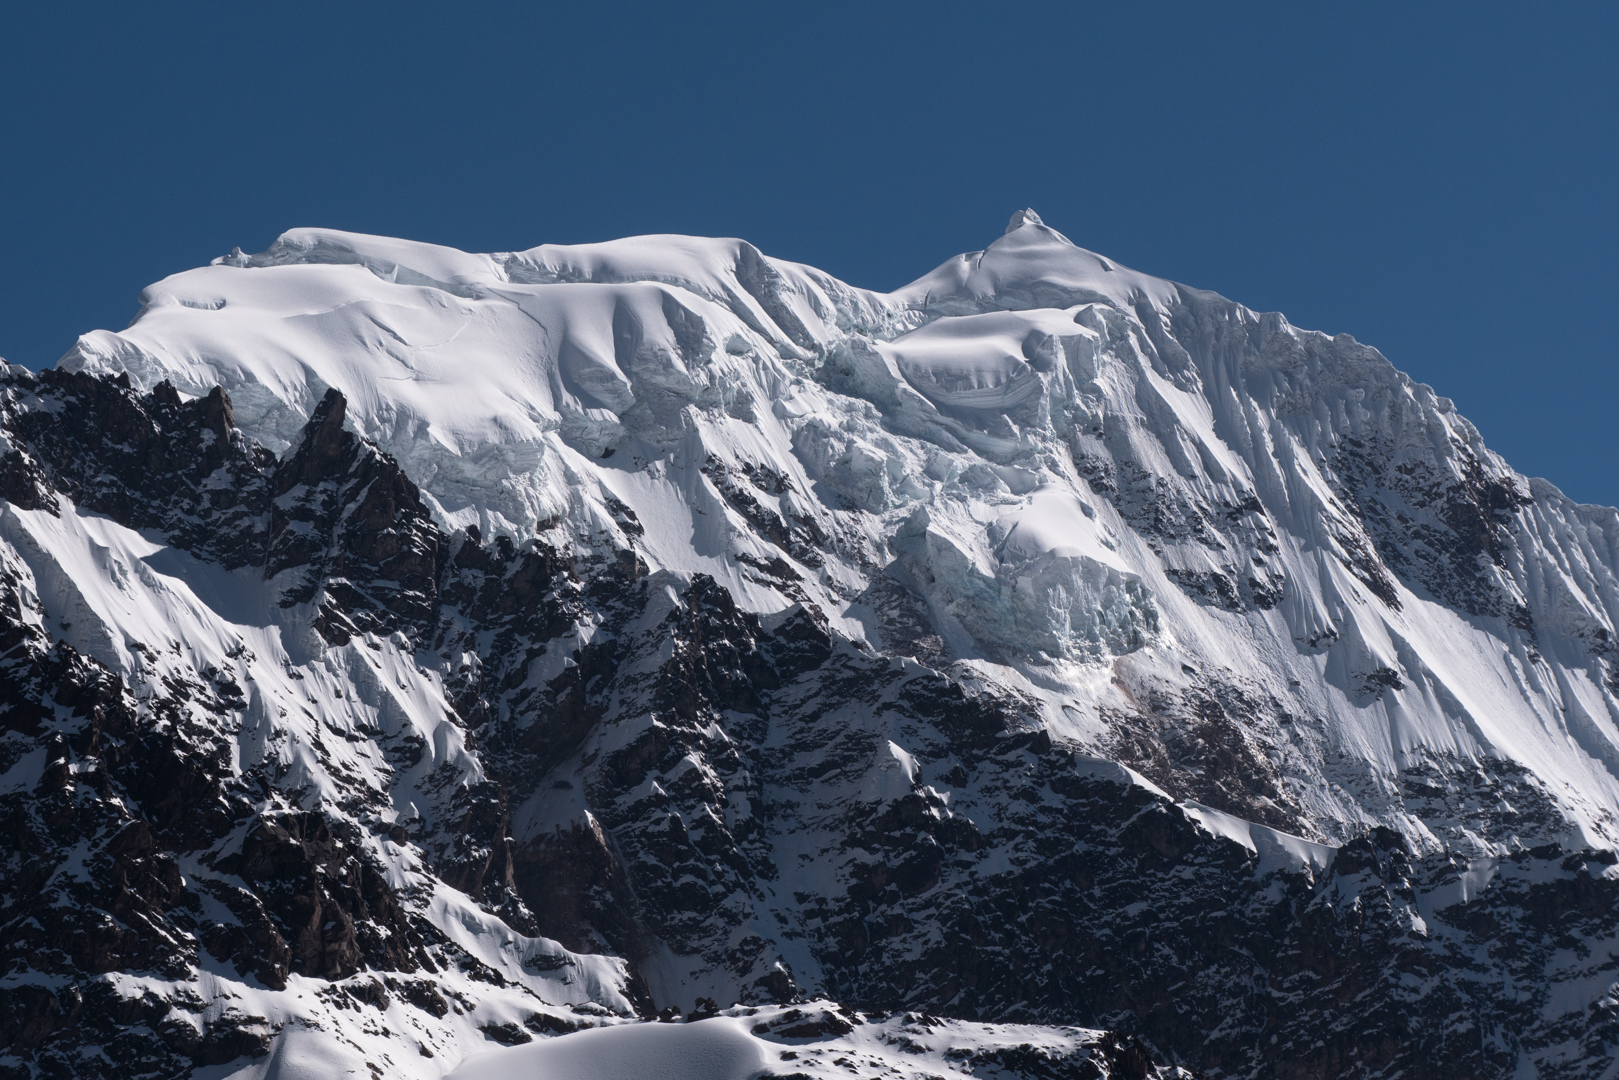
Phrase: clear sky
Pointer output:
(1437, 179)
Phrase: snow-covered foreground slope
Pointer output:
(811, 1043)
(408, 652)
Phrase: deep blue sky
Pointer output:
(1440, 183)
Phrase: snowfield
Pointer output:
(727, 1048)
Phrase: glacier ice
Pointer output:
(1070, 462)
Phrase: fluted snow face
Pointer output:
(1106, 490)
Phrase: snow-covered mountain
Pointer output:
(403, 649)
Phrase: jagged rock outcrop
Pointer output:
(113, 788)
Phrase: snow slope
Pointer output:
(1096, 479)
(742, 1045)
(719, 1049)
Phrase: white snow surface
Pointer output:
(953, 432)
(717, 1049)
(906, 1047)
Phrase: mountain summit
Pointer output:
(1023, 217)
(1043, 669)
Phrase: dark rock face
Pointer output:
(1015, 882)
(90, 884)
(348, 526)
(105, 790)
(1121, 911)
(751, 494)
(329, 913)
(148, 461)
(665, 774)
(1215, 741)
(1444, 529)
(108, 793)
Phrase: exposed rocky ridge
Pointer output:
(135, 844)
